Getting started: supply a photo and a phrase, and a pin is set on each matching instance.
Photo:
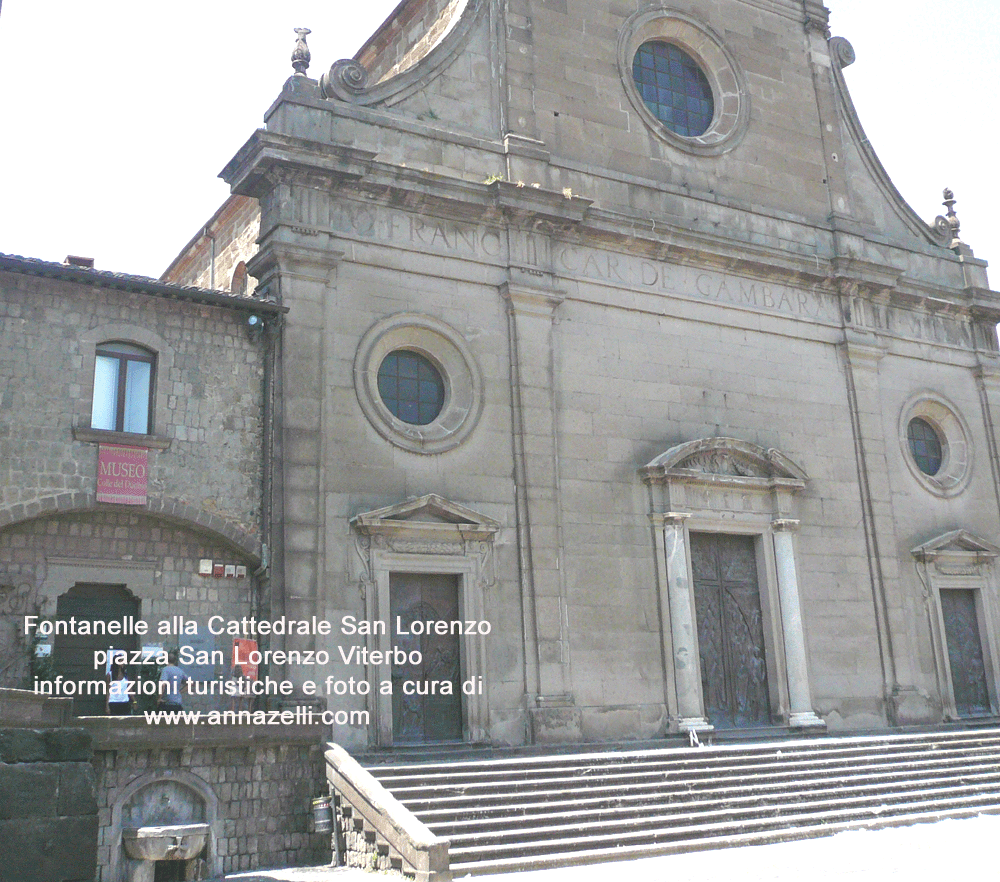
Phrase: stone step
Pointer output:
(565, 812)
(661, 761)
(513, 761)
(522, 863)
(518, 812)
(469, 852)
(422, 798)
(688, 821)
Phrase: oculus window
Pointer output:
(411, 387)
(123, 388)
(936, 443)
(418, 383)
(674, 88)
(925, 445)
(683, 81)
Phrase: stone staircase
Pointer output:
(526, 811)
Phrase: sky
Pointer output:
(118, 115)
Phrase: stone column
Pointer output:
(683, 632)
(801, 713)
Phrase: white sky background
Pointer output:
(117, 115)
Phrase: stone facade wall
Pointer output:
(252, 785)
(625, 291)
(48, 812)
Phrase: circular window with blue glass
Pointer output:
(683, 81)
(937, 444)
(418, 383)
(674, 88)
(411, 387)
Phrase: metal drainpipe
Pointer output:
(262, 575)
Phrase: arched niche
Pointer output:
(164, 798)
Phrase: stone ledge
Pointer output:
(128, 439)
(134, 733)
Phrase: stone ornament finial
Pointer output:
(949, 227)
(301, 55)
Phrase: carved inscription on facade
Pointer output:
(533, 251)
(424, 233)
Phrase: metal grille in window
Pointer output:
(411, 387)
(674, 88)
(925, 445)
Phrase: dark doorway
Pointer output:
(965, 652)
(74, 654)
(424, 708)
(730, 630)
(169, 871)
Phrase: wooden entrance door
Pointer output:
(965, 652)
(426, 697)
(730, 630)
(73, 655)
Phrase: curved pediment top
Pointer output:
(425, 511)
(724, 458)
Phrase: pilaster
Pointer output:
(862, 354)
(531, 314)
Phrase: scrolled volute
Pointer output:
(842, 52)
(347, 80)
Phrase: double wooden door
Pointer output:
(730, 630)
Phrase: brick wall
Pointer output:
(408, 36)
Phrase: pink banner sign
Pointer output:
(121, 474)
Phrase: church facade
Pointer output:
(608, 328)
(608, 337)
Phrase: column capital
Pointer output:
(785, 525)
(527, 300)
(669, 518)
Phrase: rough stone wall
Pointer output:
(263, 792)
(167, 584)
(48, 812)
(208, 391)
(358, 843)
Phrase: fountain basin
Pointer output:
(181, 842)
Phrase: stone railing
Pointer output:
(375, 830)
